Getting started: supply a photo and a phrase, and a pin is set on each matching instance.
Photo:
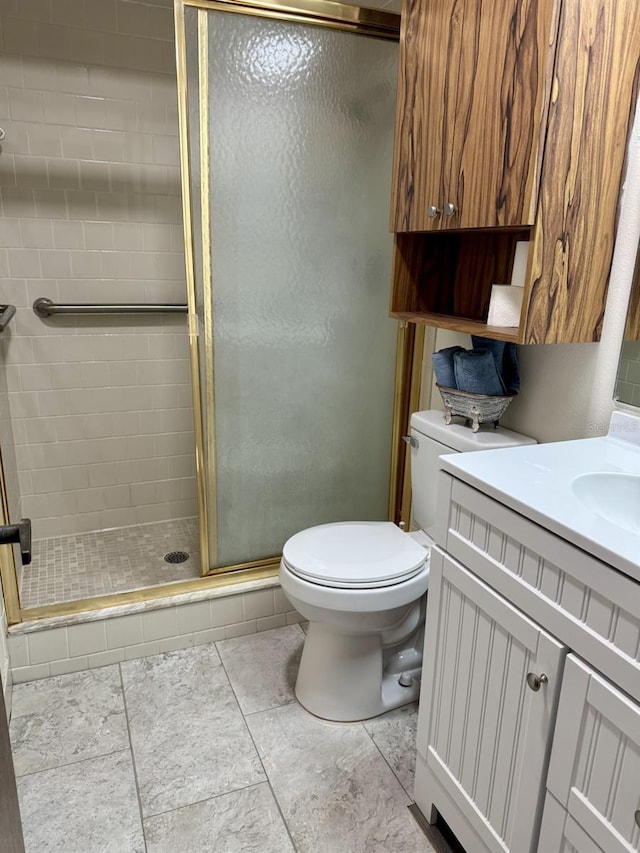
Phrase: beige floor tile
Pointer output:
(262, 668)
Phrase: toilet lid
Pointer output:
(354, 554)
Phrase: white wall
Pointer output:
(91, 212)
(567, 389)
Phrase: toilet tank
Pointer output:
(432, 438)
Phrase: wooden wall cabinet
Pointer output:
(512, 124)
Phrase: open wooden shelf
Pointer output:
(445, 279)
(462, 324)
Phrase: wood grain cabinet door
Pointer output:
(473, 94)
(430, 48)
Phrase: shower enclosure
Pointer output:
(300, 382)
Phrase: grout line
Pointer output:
(264, 769)
(71, 763)
(206, 800)
(386, 760)
(133, 758)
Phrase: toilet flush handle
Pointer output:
(410, 440)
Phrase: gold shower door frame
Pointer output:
(366, 22)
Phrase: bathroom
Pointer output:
(100, 428)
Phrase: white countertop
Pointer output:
(535, 481)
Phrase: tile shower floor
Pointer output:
(206, 749)
(66, 568)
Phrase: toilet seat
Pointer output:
(354, 555)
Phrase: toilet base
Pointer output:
(345, 677)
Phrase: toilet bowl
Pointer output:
(361, 585)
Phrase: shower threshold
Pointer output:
(104, 562)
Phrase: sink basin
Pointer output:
(614, 497)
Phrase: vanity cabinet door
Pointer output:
(560, 833)
(473, 93)
(489, 694)
(594, 771)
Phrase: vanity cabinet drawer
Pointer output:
(589, 606)
(594, 772)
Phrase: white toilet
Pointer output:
(362, 584)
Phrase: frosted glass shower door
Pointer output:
(298, 354)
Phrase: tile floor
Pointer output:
(83, 565)
(206, 749)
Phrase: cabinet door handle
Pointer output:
(534, 681)
(449, 208)
(433, 211)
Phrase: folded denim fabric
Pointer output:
(510, 369)
(442, 362)
(475, 371)
(506, 359)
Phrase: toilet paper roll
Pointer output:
(520, 263)
(505, 305)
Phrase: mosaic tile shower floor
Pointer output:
(83, 565)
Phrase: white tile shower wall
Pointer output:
(90, 195)
(628, 387)
(58, 650)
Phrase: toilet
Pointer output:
(362, 584)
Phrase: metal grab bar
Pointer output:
(44, 307)
(6, 313)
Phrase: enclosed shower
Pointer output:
(264, 394)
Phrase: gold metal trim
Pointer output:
(396, 429)
(102, 602)
(412, 405)
(406, 396)
(194, 352)
(266, 562)
(207, 282)
(371, 22)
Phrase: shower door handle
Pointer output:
(21, 532)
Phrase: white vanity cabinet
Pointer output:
(516, 718)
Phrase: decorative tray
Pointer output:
(475, 408)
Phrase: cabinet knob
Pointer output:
(433, 211)
(534, 681)
(449, 208)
